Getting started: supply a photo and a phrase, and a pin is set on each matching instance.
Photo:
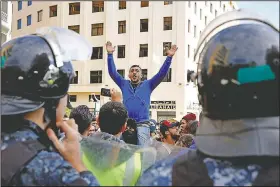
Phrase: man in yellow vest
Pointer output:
(111, 160)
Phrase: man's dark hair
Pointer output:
(193, 127)
(82, 116)
(163, 129)
(133, 66)
(112, 117)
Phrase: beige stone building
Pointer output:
(139, 29)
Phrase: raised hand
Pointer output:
(116, 95)
(172, 51)
(110, 49)
(69, 148)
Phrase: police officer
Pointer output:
(36, 71)
(238, 84)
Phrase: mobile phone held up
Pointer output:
(105, 92)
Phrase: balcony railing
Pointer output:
(4, 16)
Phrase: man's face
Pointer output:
(184, 126)
(92, 128)
(173, 131)
(135, 75)
(61, 108)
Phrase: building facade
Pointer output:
(139, 30)
(6, 20)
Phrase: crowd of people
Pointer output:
(233, 142)
(180, 133)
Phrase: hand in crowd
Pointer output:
(170, 52)
(69, 148)
(72, 124)
(110, 49)
(116, 95)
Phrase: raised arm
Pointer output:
(156, 80)
(117, 78)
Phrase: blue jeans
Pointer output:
(143, 133)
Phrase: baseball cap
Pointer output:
(167, 124)
(189, 117)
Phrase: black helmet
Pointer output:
(238, 85)
(36, 68)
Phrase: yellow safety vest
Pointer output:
(125, 174)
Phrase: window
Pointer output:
(144, 3)
(211, 8)
(73, 98)
(166, 44)
(40, 15)
(53, 11)
(189, 26)
(91, 98)
(221, 4)
(97, 29)
(19, 5)
(122, 5)
(168, 2)
(29, 3)
(75, 28)
(74, 8)
(95, 77)
(216, 13)
(224, 8)
(188, 51)
(200, 14)
(5, 7)
(97, 6)
(144, 74)
(205, 3)
(167, 78)
(143, 52)
(195, 8)
(121, 51)
(122, 27)
(144, 25)
(121, 72)
(19, 24)
(194, 31)
(189, 4)
(97, 53)
(28, 20)
(167, 23)
(75, 79)
(205, 20)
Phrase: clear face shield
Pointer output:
(67, 46)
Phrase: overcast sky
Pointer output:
(269, 9)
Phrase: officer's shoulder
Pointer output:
(48, 159)
(186, 154)
(18, 136)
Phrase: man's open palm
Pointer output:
(110, 49)
(172, 51)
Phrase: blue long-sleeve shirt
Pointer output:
(137, 102)
(47, 168)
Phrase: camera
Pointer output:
(105, 92)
